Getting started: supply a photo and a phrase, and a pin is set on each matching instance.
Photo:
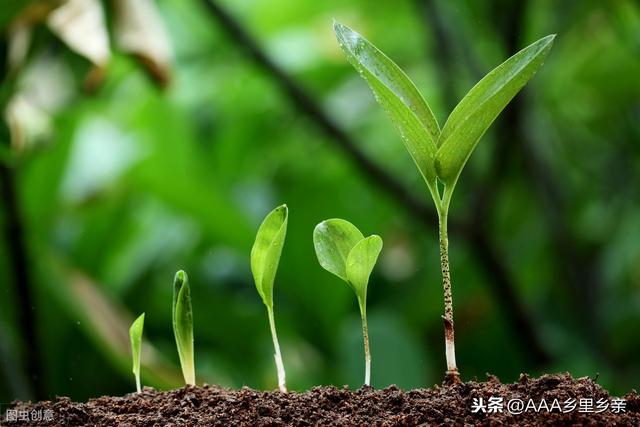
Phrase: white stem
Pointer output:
(367, 351)
(367, 370)
(189, 371)
(277, 356)
(450, 351)
(138, 387)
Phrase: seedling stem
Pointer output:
(452, 374)
(277, 356)
(367, 352)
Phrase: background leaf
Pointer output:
(360, 263)
(10, 10)
(139, 30)
(82, 26)
(333, 239)
(266, 251)
(397, 94)
(480, 107)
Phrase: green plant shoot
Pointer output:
(343, 250)
(135, 333)
(265, 257)
(183, 325)
(440, 155)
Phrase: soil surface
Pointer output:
(548, 400)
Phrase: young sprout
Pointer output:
(183, 325)
(440, 154)
(135, 333)
(344, 251)
(265, 257)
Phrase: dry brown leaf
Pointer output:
(81, 25)
(19, 41)
(43, 87)
(139, 30)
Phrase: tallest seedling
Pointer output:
(440, 154)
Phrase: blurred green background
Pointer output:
(126, 172)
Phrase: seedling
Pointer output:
(440, 154)
(265, 257)
(344, 251)
(135, 333)
(183, 325)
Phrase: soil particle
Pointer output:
(469, 404)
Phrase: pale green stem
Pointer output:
(367, 352)
(187, 360)
(188, 368)
(277, 356)
(452, 368)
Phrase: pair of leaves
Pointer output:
(135, 333)
(182, 316)
(343, 250)
(266, 251)
(440, 154)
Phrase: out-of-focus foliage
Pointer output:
(125, 185)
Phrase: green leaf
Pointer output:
(360, 263)
(266, 251)
(135, 333)
(342, 250)
(183, 325)
(399, 97)
(333, 240)
(480, 107)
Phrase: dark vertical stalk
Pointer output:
(18, 264)
(13, 231)
(12, 371)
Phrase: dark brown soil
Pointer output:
(441, 405)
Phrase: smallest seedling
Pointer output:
(344, 251)
(183, 325)
(135, 333)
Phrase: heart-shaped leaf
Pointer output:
(397, 95)
(480, 107)
(266, 251)
(183, 325)
(135, 333)
(360, 263)
(342, 250)
(333, 240)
